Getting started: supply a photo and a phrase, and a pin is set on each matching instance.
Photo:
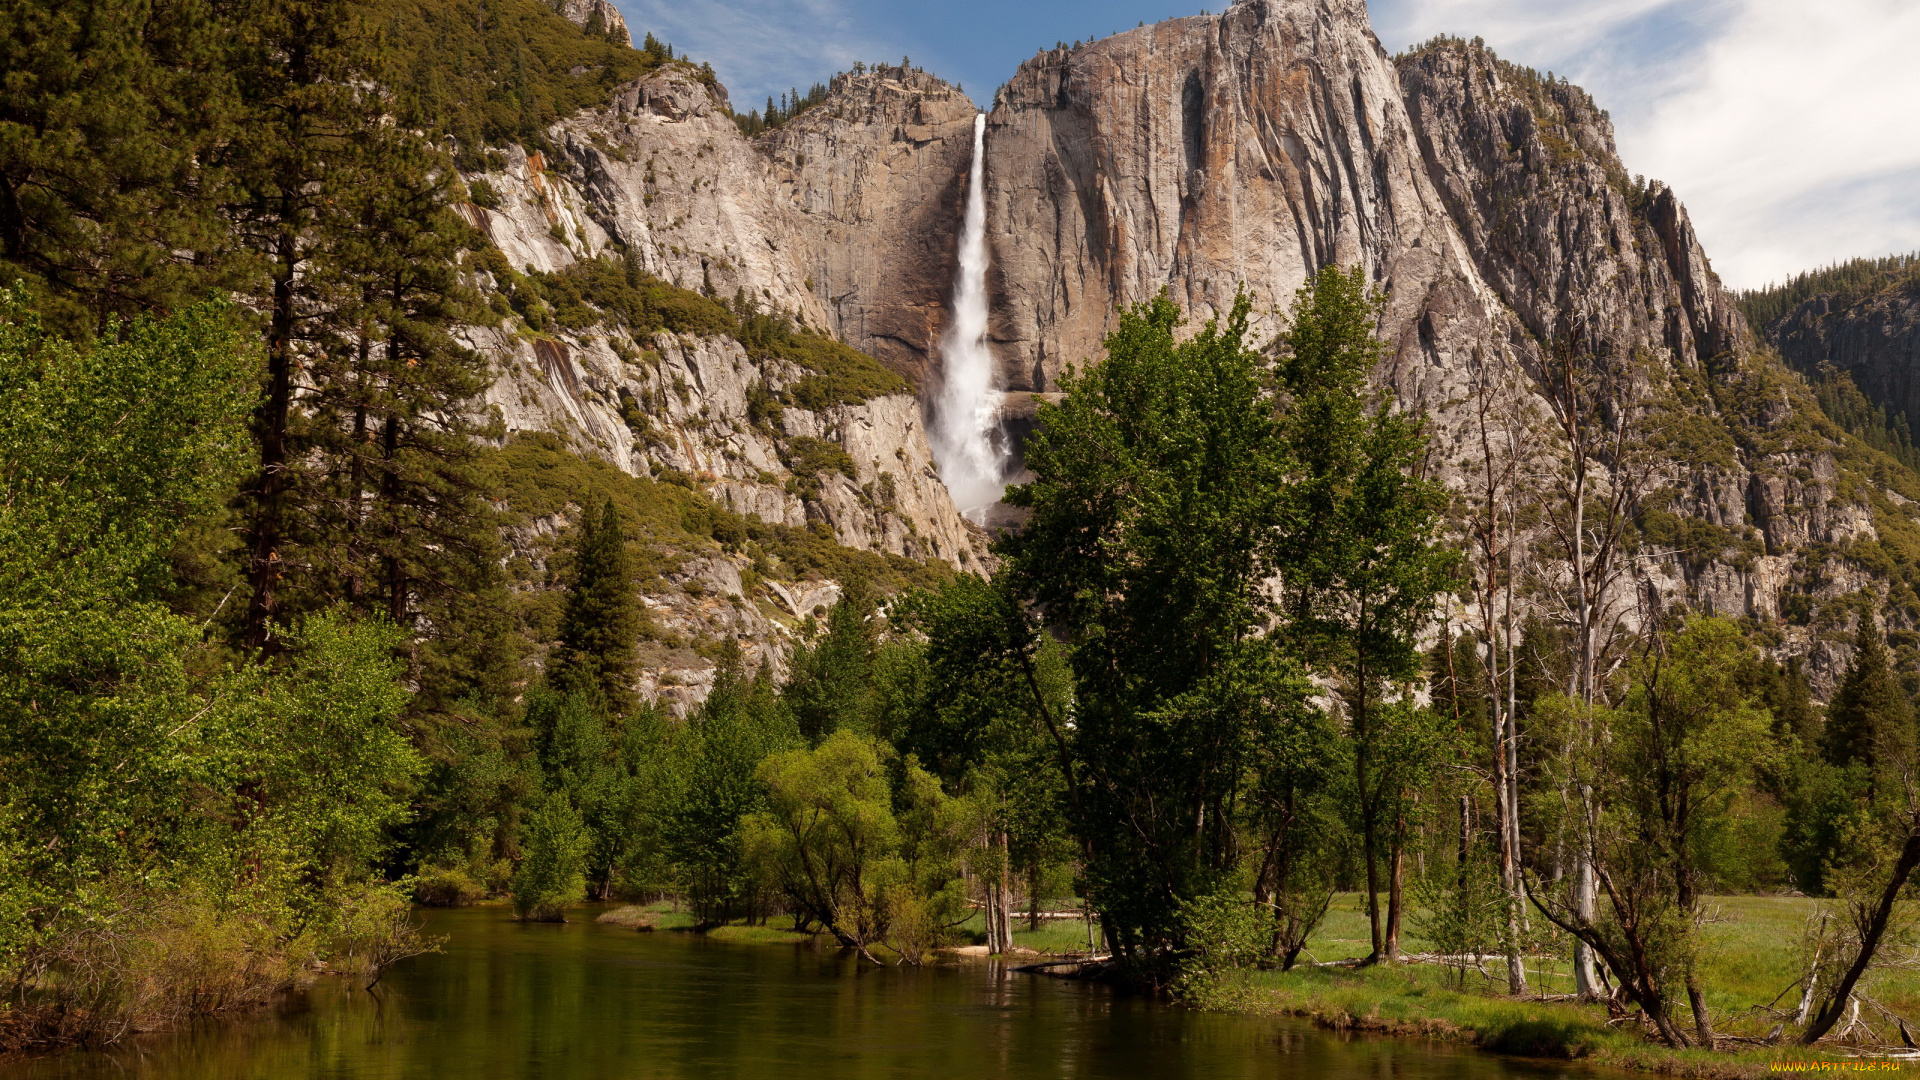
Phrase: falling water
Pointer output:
(968, 442)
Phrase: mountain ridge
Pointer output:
(1244, 149)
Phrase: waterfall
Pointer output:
(968, 443)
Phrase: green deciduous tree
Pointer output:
(1666, 763)
(551, 876)
(1363, 559)
(872, 862)
(739, 725)
(170, 791)
(1158, 490)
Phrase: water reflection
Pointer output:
(587, 1002)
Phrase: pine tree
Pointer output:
(1869, 721)
(600, 624)
(108, 113)
(404, 523)
(296, 156)
(830, 683)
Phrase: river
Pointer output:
(584, 1001)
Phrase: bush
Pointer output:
(552, 874)
(483, 195)
(374, 931)
(447, 888)
(161, 959)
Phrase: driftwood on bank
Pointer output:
(1084, 967)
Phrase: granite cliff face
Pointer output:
(1874, 337)
(662, 175)
(1201, 155)
(1250, 148)
(873, 182)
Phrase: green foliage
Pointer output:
(791, 104)
(739, 726)
(1461, 907)
(107, 449)
(872, 862)
(807, 458)
(1846, 282)
(838, 374)
(1698, 542)
(538, 477)
(163, 784)
(1880, 426)
(1225, 934)
(602, 291)
(495, 71)
(601, 621)
(1870, 719)
(551, 876)
(1158, 488)
(481, 194)
(830, 684)
(1363, 553)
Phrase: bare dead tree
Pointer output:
(1598, 408)
(1506, 446)
(1868, 918)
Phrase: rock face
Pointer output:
(597, 16)
(1249, 149)
(1202, 155)
(662, 175)
(1874, 338)
(665, 175)
(874, 181)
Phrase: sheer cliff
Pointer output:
(1206, 155)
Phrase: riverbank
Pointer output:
(1414, 1001)
(1749, 957)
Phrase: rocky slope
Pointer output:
(1871, 334)
(1201, 155)
(662, 177)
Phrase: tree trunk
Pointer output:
(1373, 866)
(390, 489)
(1836, 1002)
(1586, 981)
(1396, 879)
(1702, 1022)
(1033, 896)
(263, 561)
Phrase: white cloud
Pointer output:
(760, 48)
(1791, 130)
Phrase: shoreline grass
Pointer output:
(1749, 955)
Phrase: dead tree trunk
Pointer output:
(1874, 927)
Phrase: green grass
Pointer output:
(1749, 953)
(758, 935)
(1055, 936)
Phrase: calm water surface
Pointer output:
(587, 1002)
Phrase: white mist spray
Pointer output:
(968, 442)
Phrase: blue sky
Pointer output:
(1790, 129)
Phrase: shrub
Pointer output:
(482, 194)
(452, 887)
(552, 874)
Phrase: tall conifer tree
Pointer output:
(600, 625)
(1869, 721)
